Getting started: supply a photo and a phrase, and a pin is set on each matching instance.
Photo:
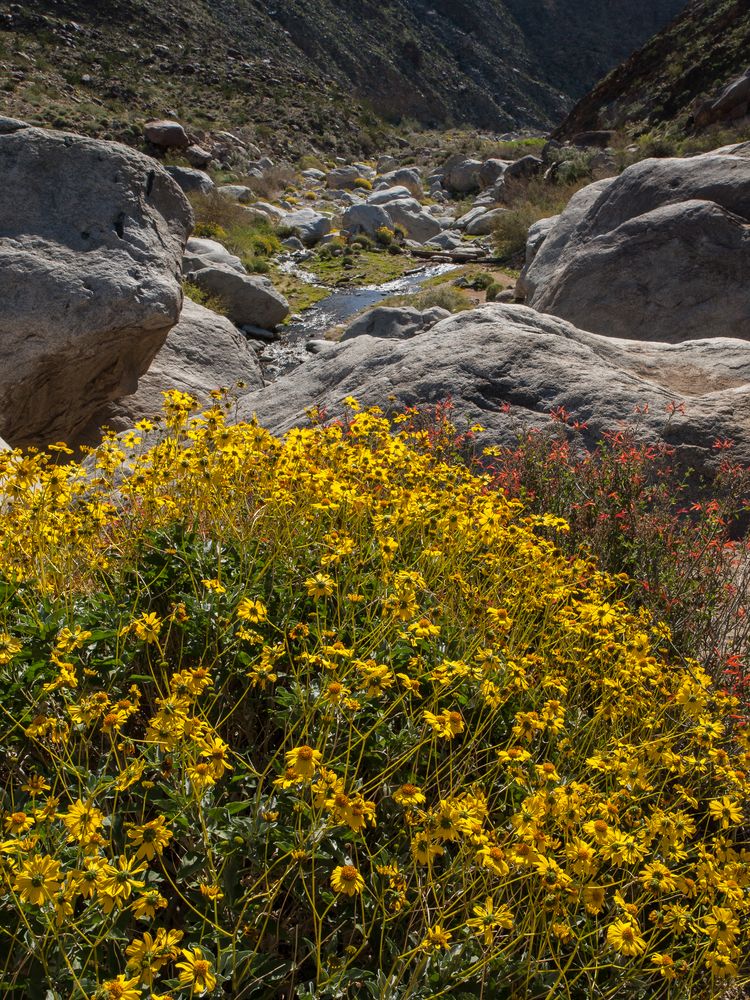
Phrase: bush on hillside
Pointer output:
(528, 202)
(332, 716)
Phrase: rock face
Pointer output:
(462, 176)
(394, 323)
(502, 354)
(661, 252)
(91, 241)
(203, 352)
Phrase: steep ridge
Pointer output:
(692, 58)
(312, 67)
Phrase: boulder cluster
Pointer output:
(635, 298)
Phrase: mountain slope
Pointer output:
(313, 67)
(691, 58)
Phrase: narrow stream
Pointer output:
(281, 357)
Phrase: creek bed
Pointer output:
(312, 324)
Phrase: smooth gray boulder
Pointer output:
(484, 223)
(366, 219)
(661, 252)
(417, 223)
(503, 354)
(310, 226)
(394, 322)
(462, 175)
(408, 177)
(191, 180)
(200, 253)
(203, 352)
(91, 241)
(249, 300)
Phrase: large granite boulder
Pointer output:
(203, 352)
(462, 175)
(503, 354)
(192, 181)
(365, 219)
(91, 241)
(661, 252)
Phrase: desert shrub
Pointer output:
(528, 202)
(480, 282)
(363, 241)
(493, 290)
(384, 236)
(244, 234)
(310, 162)
(273, 183)
(332, 717)
(681, 540)
(210, 231)
(363, 184)
(203, 298)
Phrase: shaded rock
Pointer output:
(461, 175)
(198, 157)
(191, 180)
(394, 323)
(661, 252)
(166, 134)
(491, 171)
(90, 251)
(507, 354)
(447, 240)
(523, 169)
(537, 234)
(249, 300)
(310, 226)
(313, 174)
(203, 352)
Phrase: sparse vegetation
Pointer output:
(251, 239)
(528, 201)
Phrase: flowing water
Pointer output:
(281, 357)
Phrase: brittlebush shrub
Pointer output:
(331, 717)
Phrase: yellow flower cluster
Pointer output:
(337, 683)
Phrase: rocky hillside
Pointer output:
(668, 80)
(318, 68)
